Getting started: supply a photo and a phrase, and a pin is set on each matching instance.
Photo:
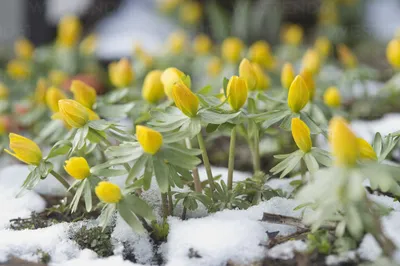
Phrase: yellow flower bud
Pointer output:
(344, 144)
(18, 69)
(143, 56)
(24, 49)
(346, 57)
(292, 34)
(214, 66)
(177, 42)
(332, 97)
(298, 96)
(4, 92)
(57, 77)
(83, 93)
(169, 77)
(301, 135)
(247, 72)
(74, 114)
(77, 167)
(185, 99)
(108, 192)
(260, 53)
(69, 31)
(202, 44)
(231, 49)
(310, 83)
(311, 61)
(24, 149)
(150, 140)
(40, 92)
(121, 73)
(287, 75)
(323, 46)
(237, 92)
(366, 150)
(263, 80)
(88, 45)
(153, 89)
(393, 53)
(190, 12)
(53, 95)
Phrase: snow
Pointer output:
(113, 260)
(287, 250)
(367, 129)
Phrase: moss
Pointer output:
(96, 239)
(44, 257)
(36, 221)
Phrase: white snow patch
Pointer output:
(287, 250)
(283, 184)
(369, 249)
(223, 171)
(385, 201)
(367, 129)
(342, 258)
(110, 261)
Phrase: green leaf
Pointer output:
(323, 157)
(129, 217)
(78, 194)
(30, 182)
(148, 174)
(211, 128)
(62, 147)
(214, 117)
(205, 90)
(314, 128)
(178, 158)
(88, 196)
(272, 118)
(139, 207)
(377, 144)
(116, 111)
(137, 168)
(161, 172)
(174, 177)
(311, 162)
(106, 215)
(108, 172)
(100, 125)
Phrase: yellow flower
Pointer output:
(69, 31)
(310, 83)
(4, 92)
(202, 44)
(168, 6)
(24, 49)
(287, 75)
(88, 45)
(332, 97)
(344, 144)
(74, 114)
(190, 12)
(57, 77)
(24, 149)
(237, 92)
(143, 56)
(149, 139)
(263, 80)
(346, 57)
(18, 69)
(301, 135)
(298, 96)
(260, 52)
(231, 49)
(40, 92)
(108, 192)
(169, 77)
(153, 89)
(292, 34)
(177, 42)
(311, 61)
(121, 73)
(366, 150)
(393, 53)
(214, 66)
(323, 46)
(247, 72)
(53, 95)
(83, 93)
(77, 167)
(185, 99)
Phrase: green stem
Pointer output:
(195, 171)
(303, 169)
(170, 202)
(206, 162)
(164, 203)
(183, 216)
(60, 179)
(231, 162)
(256, 155)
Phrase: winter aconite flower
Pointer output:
(260, 52)
(214, 66)
(185, 99)
(40, 91)
(177, 42)
(169, 77)
(57, 77)
(121, 73)
(83, 93)
(311, 61)
(346, 57)
(24, 49)
(18, 69)
(237, 92)
(73, 113)
(301, 134)
(298, 96)
(393, 53)
(308, 78)
(77, 167)
(24, 149)
(366, 150)
(323, 46)
(108, 192)
(69, 31)
(53, 95)
(292, 34)
(202, 44)
(190, 12)
(153, 89)
(231, 49)
(88, 45)
(263, 80)
(287, 75)
(246, 71)
(150, 140)
(344, 143)
(332, 97)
